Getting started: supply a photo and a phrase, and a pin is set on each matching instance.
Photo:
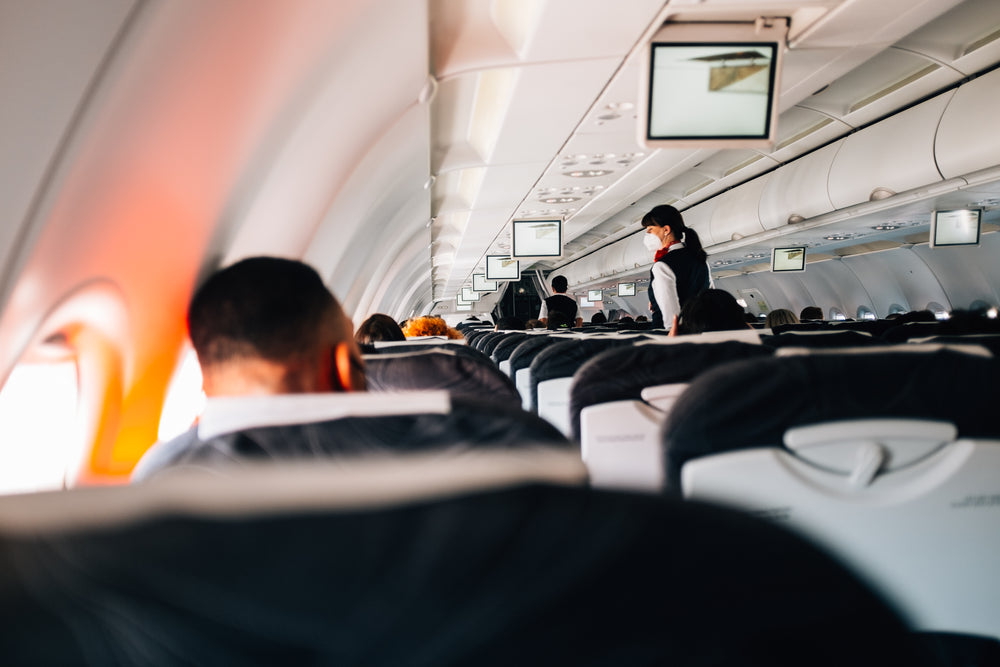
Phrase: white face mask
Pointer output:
(651, 242)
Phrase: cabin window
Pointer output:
(837, 314)
(865, 313)
(983, 308)
(939, 311)
(185, 398)
(39, 426)
(896, 308)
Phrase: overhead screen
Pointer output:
(536, 238)
(595, 295)
(501, 267)
(461, 308)
(626, 289)
(481, 284)
(712, 86)
(788, 259)
(956, 228)
(469, 295)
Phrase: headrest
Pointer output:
(825, 338)
(621, 374)
(419, 340)
(752, 403)
(439, 368)
(406, 562)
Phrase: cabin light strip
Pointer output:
(981, 42)
(893, 88)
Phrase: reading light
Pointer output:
(589, 173)
(885, 228)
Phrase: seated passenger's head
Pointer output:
(780, 316)
(711, 310)
(510, 324)
(378, 328)
(599, 318)
(270, 326)
(811, 313)
(558, 320)
(560, 284)
(429, 325)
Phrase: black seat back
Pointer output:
(460, 374)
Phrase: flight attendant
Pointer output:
(680, 270)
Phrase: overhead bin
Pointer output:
(799, 189)
(737, 211)
(892, 156)
(634, 252)
(967, 138)
(699, 218)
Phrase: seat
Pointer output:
(889, 459)
(480, 343)
(504, 349)
(552, 373)
(484, 560)
(520, 362)
(827, 337)
(490, 345)
(253, 429)
(460, 374)
(618, 423)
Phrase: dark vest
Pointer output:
(563, 304)
(692, 278)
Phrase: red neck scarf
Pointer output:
(662, 252)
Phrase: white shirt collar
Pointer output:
(227, 414)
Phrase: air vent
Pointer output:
(980, 43)
(744, 164)
(894, 87)
(803, 134)
(703, 184)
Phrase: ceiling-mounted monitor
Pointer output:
(626, 289)
(502, 267)
(788, 259)
(536, 238)
(460, 308)
(956, 228)
(595, 295)
(481, 284)
(712, 85)
(469, 295)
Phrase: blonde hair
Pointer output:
(780, 316)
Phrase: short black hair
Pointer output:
(264, 307)
(560, 284)
(811, 313)
(711, 310)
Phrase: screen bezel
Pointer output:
(774, 254)
(502, 278)
(934, 243)
(620, 285)
(480, 278)
(706, 35)
(514, 224)
(598, 292)
(465, 295)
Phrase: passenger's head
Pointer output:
(598, 318)
(780, 316)
(711, 310)
(378, 328)
(510, 324)
(558, 320)
(534, 324)
(270, 325)
(429, 325)
(666, 224)
(811, 313)
(560, 284)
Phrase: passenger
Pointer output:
(598, 318)
(377, 329)
(642, 318)
(680, 270)
(558, 320)
(627, 319)
(534, 324)
(509, 324)
(561, 303)
(780, 316)
(811, 313)
(712, 310)
(264, 326)
(430, 326)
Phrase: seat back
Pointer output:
(506, 346)
(827, 444)
(487, 560)
(438, 368)
(828, 337)
(559, 362)
(619, 399)
(520, 363)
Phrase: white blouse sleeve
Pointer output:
(665, 291)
